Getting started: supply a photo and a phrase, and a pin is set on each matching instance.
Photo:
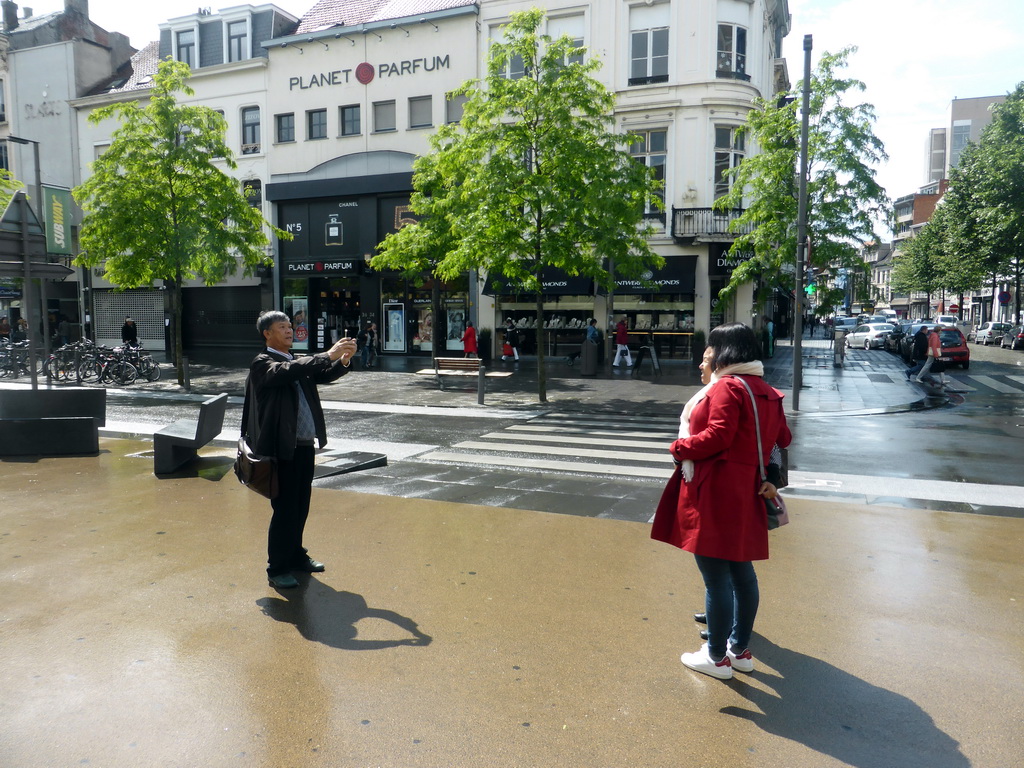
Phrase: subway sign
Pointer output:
(365, 73)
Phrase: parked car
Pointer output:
(869, 335)
(877, 319)
(990, 333)
(947, 320)
(845, 323)
(1013, 338)
(954, 347)
(907, 342)
(893, 340)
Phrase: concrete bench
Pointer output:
(462, 366)
(51, 422)
(177, 444)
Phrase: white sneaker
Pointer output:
(742, 662)
(701, 661)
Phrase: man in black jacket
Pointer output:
(284, 420)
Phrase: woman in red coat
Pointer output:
(469, 340)
(718, 513)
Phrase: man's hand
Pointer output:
(344, 349)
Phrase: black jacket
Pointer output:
(921, 346)
(270, 416)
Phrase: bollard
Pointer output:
(481, 382)
(188, 381)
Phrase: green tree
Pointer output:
(534, 177)
(844, 199)
(918, 264)
(159, 206)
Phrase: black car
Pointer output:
(1013, 338)
(893, 340)
(907, 341)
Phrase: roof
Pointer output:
(137, 73)
(327, 14)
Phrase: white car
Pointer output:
(990, 333)
(870, 335)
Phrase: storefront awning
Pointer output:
(553, 283)
(677, 276)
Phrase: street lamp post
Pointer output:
(40, 214)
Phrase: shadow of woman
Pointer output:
(837, 714)
(325, 615)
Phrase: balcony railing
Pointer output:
(706, 224)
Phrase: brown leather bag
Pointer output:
(257, 473)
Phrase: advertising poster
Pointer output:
(456, 327)
(296, 307)
(394, 327)
(426, 329)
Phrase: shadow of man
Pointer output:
(325, 615)
(834, 713)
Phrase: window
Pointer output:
(238, 40)
(351, 120)
(453, 106)
(3, 104)
(959, 139)
(648, 44)
(514, 67)
(729, 151)
(316, 124)
(652, 151)
(384, 116)
(5, 162)
(732, 52)
(571, 27)
(420, 109)
(285, 125)
(186, 47)
(253, 191)
(250, 130)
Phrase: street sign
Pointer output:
(1004, 297)
(954, 307)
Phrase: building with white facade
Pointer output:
(329, 115)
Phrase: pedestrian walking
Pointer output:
(282, 418)
(931, 361)
(622, 344)
(918, 352)
(469, 340)
(769, 337)
(366, 343)
(718, 514)
(511, 346)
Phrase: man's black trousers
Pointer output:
(291, 508)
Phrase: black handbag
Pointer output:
(255, 472)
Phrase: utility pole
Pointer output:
(801, 229)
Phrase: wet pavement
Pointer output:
(138, 630)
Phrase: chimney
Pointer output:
(26, 12)
(81, 6)
(10, 15)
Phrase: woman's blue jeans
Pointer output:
(730, 601)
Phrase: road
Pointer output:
(960, 457)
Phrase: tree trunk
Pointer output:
(440, 332)
(1016, 290)
(179, 348)
(542, 374)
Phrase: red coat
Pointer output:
(621, 333)
(469, 340)
(718, 513)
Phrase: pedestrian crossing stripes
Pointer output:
(963, 382)
(625, 446)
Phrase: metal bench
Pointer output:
(177, 444)
(462, 366)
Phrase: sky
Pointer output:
(914, 56)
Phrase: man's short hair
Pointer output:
(268, 318)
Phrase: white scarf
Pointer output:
(755, 368)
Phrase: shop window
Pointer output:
(384, 116)
(238, 40)
(250, 130)
(285, 125)
(350, 117)
(316, 124)
(420, 109)
(732, 52)
(186, 47)
(648, 44)
(729, 153)
(652, 151)
(454, 106)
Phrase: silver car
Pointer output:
(869, 335)
(990, 333)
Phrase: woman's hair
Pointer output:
(268, 318)
(734, 343)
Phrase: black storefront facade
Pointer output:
(325, 280)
